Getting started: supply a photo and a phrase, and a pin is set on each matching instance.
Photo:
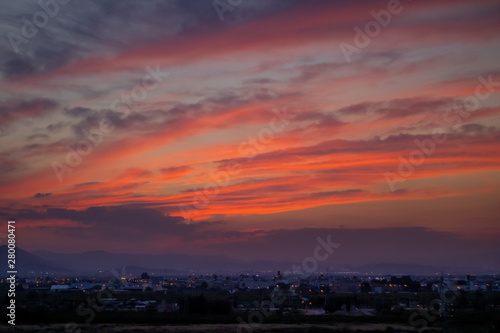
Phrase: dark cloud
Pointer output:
(345, 193)
(356, 109)
(133, 228)
(477, 129)
(56, 126)
(260, 81)
(38, 137)
(79, 112)
(41, 54)
(321, 119)
(14, 109)
(391, 144)
(400, 108)
(17, 67)
(85, 184)
(40, 148)
(174, 170)
(311, 72)
(175, 118)
(123, 219)
(87, 28)
(41, 195)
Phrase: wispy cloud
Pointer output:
(353, 120)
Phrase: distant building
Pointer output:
(59, 288)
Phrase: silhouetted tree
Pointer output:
(283, 286)
(479, 302)
(33, 296)
(333, 304)
(462, 302)
(365, 287)
(348, 304)
(204, 285)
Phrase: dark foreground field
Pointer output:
(211, 311)
(223, 328)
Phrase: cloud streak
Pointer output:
(353, 121)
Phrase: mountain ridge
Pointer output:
(103, 262)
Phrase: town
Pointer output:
(244, 297)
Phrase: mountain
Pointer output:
(107, 264)
(29, 264)
(399, 269)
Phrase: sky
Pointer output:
(249, 127)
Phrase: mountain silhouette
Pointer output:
(29, 264)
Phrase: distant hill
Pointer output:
(28, 263)
(397, 269)
(104, 261)
(109, 264)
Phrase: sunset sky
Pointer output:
(184, 126)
